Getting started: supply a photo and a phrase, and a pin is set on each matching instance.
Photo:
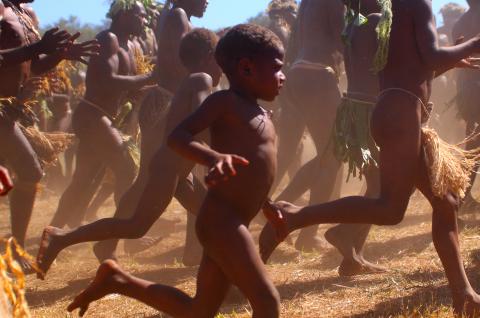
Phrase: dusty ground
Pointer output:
(308, 283)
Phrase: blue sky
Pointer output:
(220, 13)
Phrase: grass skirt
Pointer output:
(353, 143)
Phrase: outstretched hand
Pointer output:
(80, 51)
(470, 62)
(6, 183)
(54, 41)
(224, 168)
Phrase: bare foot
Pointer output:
(355, 266)
(49, 248)
(132, 247)
(103, 251)
(277, 229)
(109, 277)
(343, 244)
(466, 305)
(310, 244)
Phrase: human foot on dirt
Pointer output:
(103, 251)
(50, 246)
(132, 247)
(107, 280)
(343, 244)
(357, 266)
(310, 244)
(466, 304)
(192, 257)
(277, 227)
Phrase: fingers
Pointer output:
(240, 160)
(74, 37)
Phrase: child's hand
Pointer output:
(223, 168)
(6, 183)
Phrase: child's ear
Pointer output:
(245, 66)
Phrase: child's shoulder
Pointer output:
(199, 81)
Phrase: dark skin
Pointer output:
(26, 55)
(155, 193)
(317, 39)
(396, 124)
(350, 239)
(231, 203)
(467, 27)
(172, 26)
(109, 78)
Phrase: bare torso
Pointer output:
(318, 34)
(120, 57)
(405, 68)
(15, 34)
(171, 27)
(359, 55)
(246, 130)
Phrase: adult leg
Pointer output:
(88, 168)
(290, 131)
(349, 239)
(470, 204)
(18, 152)
(308, 88)
(396, 129)
(190, 193)
(445, 240)
(301, 182)
(106, 190)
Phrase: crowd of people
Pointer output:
(137, 111)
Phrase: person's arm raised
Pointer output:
(438, 59)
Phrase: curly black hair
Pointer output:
(246, 41)
(196, 46)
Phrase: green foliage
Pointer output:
(383, 29)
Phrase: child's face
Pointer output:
(267, 76)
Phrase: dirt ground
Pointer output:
(309, 285)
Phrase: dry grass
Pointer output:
(308, 283)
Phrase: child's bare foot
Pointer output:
(132, 247)
(466, 304)
(49, 248)
(277, 228)
(109, 277)
(103, 251)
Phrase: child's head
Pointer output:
(251, 57)
(197, 53)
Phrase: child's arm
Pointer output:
(182, 140)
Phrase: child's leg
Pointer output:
(229, 243)
(155, 198)
(88, 167)
(212, 286)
